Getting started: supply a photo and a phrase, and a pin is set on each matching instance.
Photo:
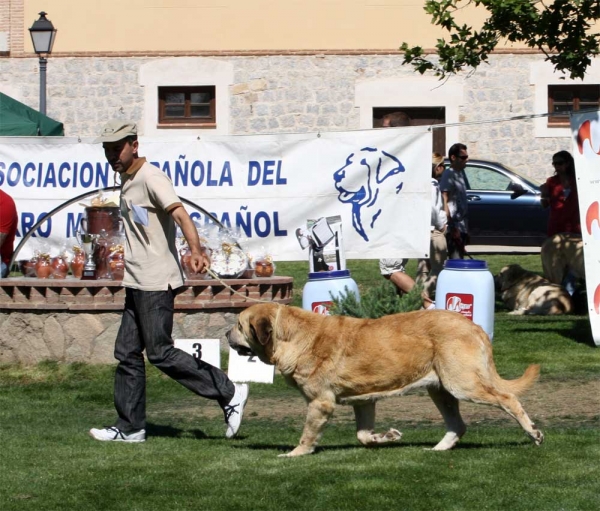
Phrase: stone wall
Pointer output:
(72, 320)
(298, 93)
(29, 337)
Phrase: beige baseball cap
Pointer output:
(116, 130)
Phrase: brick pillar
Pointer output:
(16, 41)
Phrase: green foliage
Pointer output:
(376, 302)
(560, 29)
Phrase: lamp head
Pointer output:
(43, 35)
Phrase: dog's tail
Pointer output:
(523, 383)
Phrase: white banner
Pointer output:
(265, 186)
(586, 152)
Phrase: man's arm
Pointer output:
(199, 260)
(545, 196)
(445, 196)
(454, 232)
(3, 236)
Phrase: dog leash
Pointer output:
(216, 277)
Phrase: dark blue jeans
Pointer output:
(147, 324)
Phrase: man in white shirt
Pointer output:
(150, 209)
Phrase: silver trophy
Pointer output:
(88, 243)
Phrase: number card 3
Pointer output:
(207, 350)
(243, 369)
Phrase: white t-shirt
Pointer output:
(438, 215)
(151, 258)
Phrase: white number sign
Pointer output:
(244, 369)
(207, 350)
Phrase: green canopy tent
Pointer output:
(19, 120)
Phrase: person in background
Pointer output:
(395, 269)
(453, 186)
(559, 193)
(429, 269)
(150, 209)
(395, 120)
(8, 230)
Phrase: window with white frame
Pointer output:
(564, 99)
(189, 106)
(186, 114)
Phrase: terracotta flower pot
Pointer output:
(264, 268)
(116, 263)
(27, 267)
(60, 268)
(77, 264)
(43, 268)
(186, 263)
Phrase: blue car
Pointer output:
(504, 207)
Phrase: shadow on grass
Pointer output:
(428, 446)
(579, 330)
(160, 430)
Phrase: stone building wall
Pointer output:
(31, 337)
(297, 93)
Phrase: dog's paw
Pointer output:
(448, 442)
(298, 451)
(537, 437)
(373, 439)
(393, 435)
(519, 312)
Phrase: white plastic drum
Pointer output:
(466, 286)
(320, 287)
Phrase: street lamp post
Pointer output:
(43, 34)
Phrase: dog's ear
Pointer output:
(389, 166)
(262, 330)
(501, 279)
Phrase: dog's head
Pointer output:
(254, 332)
(359, 180)
(508, 277)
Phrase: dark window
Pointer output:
(187, 107)
(563, 99)
(420, 116)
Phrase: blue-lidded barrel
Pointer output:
(466, 286)
(318, 291)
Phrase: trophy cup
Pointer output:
(97, 227)
(88, 244)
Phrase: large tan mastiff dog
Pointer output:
(525, 292)
(337, 359)
(561, 254)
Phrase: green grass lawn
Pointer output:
(48, 462)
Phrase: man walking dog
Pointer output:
(150, 210)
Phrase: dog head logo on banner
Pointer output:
(592, 220)
(360, 181)
(585, 129)
(588, 138)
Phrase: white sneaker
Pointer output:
(113, 434)
(235, 409)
